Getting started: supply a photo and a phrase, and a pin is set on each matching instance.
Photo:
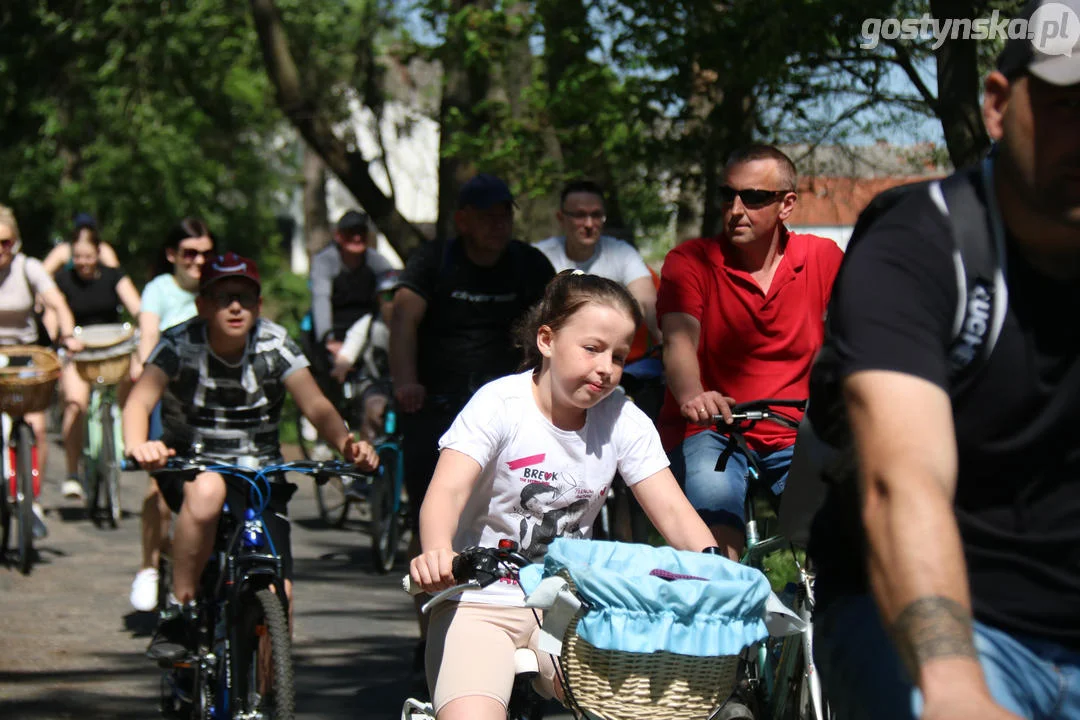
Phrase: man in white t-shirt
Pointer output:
(583, 246)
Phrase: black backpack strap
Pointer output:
(967, 200)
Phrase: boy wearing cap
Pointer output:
(948, 564)
(222, 378)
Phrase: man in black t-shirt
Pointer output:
(451, 331)
(949, 569)
(454, 307)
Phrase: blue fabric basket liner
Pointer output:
(631, 610)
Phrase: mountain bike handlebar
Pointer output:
(745, 415)
(321, 470)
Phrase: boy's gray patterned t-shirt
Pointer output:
(231, 411)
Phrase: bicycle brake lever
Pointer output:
(447, 593)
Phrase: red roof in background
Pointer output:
(827, 201)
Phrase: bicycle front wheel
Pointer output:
(332, 502)
(24, 494)
(385, 516)
(109, 471)
(264, 672)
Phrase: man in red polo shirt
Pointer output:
(742, 315)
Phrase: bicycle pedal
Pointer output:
(183, 663)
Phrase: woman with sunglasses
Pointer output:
(94, 290)
(167, 300)
(21, 280)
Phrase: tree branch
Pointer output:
(903, 59)
(316, 129)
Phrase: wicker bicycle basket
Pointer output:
(27, 378)
(614, 685)
(107, 357)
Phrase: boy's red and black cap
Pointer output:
(229, 265)
(1056, 28)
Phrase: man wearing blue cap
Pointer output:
(948, 552)
(453, 311)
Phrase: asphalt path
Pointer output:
(72, 647)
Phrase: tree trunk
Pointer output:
(316, 127)
(317, 234)
(731, 127)
(958, 105)
(464, 88)
(568, 39)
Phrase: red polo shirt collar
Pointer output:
(722, 255)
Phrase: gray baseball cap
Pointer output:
(1051, 49)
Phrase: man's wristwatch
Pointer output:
(714, 550)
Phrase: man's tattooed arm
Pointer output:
(930, 628)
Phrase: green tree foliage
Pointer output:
(139, 113)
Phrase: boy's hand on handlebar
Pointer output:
(434, 570)
(701, 408)
(361, 454)
(151, 455)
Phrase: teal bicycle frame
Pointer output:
(103, 454)
(782, 677)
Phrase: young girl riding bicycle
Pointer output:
(561, 426)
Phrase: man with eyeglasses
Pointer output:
(743, 316)
(583, 246)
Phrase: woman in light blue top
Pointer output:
(167, 300)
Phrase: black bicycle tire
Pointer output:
(164, 568)
(385, 524)
(333, 516)
(93, 483)
(304, 445)
(5, 514)
(108, 471)
(268, 609)
(24, 472)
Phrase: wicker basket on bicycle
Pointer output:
(659, 632)
(28, 374)
(107, 357)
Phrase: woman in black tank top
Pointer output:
(94, 292)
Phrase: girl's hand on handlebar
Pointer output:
(361, 454)
(433, 570)
(72, 344)
(701, 408)
(151, 455)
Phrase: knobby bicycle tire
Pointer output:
(332, 502)
(259, 622)
(164, 580)
(109, 471)
(24, 497)
(385, 518)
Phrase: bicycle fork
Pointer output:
(10, 463)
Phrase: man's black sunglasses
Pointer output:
(750, 197)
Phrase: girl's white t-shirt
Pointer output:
(539, 482)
